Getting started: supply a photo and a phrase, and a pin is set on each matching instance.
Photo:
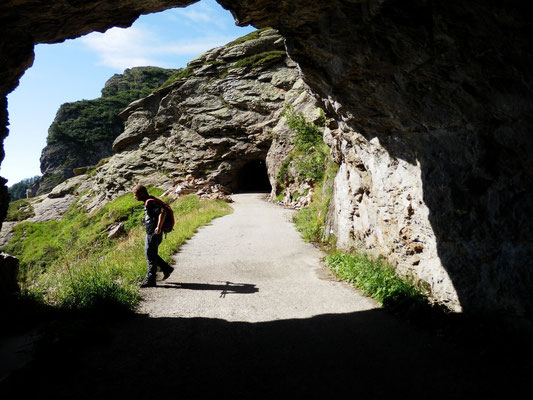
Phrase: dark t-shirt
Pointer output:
(152, 211)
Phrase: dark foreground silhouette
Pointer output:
(370, 354)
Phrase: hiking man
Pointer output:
(155, 214)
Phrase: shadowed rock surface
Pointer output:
(430, 107)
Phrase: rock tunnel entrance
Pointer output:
(253, 177)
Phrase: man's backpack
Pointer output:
(168, 223)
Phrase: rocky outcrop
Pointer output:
(219, 115)
(83, 131)
(429, 106)
(47, 207)
(25, 23)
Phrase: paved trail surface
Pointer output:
(251, 265)
(250, 312)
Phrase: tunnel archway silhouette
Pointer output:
(253, 177)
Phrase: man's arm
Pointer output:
(160, 220)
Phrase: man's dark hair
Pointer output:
(140, 190)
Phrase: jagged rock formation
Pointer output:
(83, 131)
(432, 133)
(220, 114)
(429, 104)
(202, 133)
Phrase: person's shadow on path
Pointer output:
(227, 287)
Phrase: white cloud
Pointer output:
(120, 48)
(138, 46)
(199, 15)
(194, 15)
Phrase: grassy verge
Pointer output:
(374, 278)
(311, 160)
(71, 264)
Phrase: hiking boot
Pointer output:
(167, 273)
(147, 283)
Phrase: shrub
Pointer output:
(307, 134)
(308, 158)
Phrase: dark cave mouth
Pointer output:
(253, 178)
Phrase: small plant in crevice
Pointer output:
(307, 160)
(311, 220)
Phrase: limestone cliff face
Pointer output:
(430, 107)
(83, 131)
(432, 133)
(220, 114)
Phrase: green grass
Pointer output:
(311, 160)
(374, 278)
(260, 59)
(71, 264)
(19, 210)
(178, 75)
(250, 36)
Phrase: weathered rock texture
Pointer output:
(432, 106)
(27, 22)
(221, 113)
(433, 135)
(83, 131)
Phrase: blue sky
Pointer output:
(78, 69)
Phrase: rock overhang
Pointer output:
(414, 80)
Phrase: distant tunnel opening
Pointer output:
(253, 177)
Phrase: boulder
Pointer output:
(116, 231)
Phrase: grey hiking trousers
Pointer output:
(153, 260)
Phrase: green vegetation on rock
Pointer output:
(310, 220)
(19, 210)
(91, 121)
(311, 160)
(250, 36)
(72, 264)
(261, 59)
(178, 75)
(310, 154)
(142, 79)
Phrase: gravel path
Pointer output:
(251, 265)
